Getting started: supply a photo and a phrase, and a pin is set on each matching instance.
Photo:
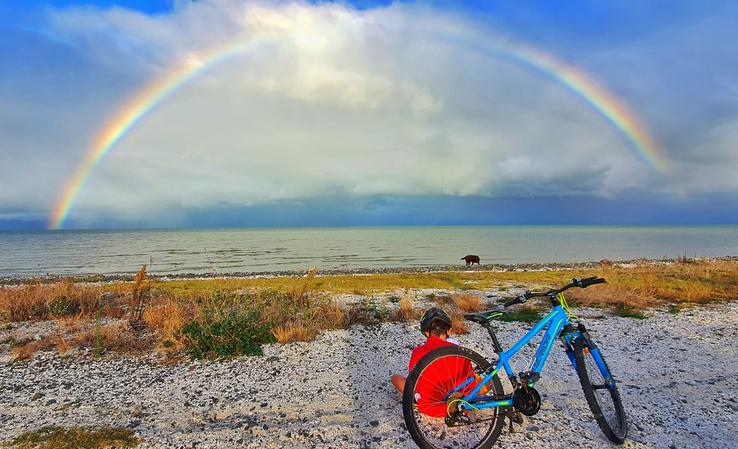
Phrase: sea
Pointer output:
(201, 251)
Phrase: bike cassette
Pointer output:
(527, 401)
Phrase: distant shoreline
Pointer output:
(108, 278)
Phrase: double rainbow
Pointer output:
(143, 102)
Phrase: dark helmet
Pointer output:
(431, 315)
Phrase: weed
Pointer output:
(624, 310)
(116, 337)
(458, 324)
(76, 438)
(406, 311)
(526, 314)
(674, 308)
(467, 302)
(226, 332)
(139, 297)
(294, 332)
(167, 317)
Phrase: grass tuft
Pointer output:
(291, 332)
(467, 302)
(624, 310)
(53, 437)
(459, 325)
(406, 310)
(525, 313)
(226, 330)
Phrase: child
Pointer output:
(435, 325)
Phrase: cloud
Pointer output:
(328, 101)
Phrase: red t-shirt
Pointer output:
(430, 344)
(439, 378)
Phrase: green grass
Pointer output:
(226, 331)
(523, 314)
(628, 312)
(53, 437)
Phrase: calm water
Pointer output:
(255, 250)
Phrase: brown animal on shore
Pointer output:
(471, 260)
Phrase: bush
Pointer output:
(226, 333)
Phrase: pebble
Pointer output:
(335, 391)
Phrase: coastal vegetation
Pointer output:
(211, 318)
(53, 437)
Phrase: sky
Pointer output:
(282, 113)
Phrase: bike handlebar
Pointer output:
(576, 282)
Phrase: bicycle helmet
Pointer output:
(431, 315)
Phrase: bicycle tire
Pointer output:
(409, 407)
(616, 431)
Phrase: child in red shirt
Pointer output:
(429, 398)
(435, 325)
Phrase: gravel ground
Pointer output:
(678, 374)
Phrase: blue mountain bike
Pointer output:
(465, 385)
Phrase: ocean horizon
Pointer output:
(255, 250)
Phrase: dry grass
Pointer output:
(44, 301)
(25, 351)
(290, 332)
(167, 317)
(140, 296)
(648, 285)
(406, 310)
(299, 308)
(459, 325)
(115, 337)
(467, 302)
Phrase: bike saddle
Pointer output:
(482, 317)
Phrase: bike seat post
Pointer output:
(493, 336)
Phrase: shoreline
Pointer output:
(429, 269)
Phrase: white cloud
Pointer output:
(330, 100)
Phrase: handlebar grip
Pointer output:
(512, 302)
(591, 281)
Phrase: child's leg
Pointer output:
(399, 382)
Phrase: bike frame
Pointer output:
(553, 323)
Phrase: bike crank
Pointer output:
(527, 400)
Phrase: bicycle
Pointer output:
(469, 388)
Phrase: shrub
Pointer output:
(226, 333)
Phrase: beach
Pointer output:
(325, 382)
(675, 373)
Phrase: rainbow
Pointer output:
(146, 100)
(602, 101)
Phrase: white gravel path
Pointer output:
(678, 374)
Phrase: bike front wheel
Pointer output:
(600, 390)
(428, 401)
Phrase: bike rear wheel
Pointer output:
(424, 402)
(600, 390)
